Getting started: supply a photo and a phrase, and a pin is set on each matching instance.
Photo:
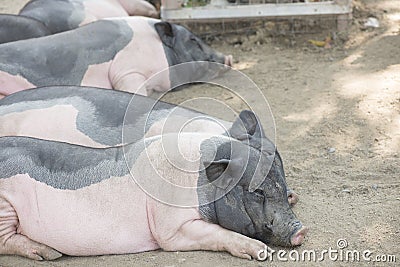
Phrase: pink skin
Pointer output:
(97, 76)
(229, 60)
(146, 48)
(128, 75)
(104, 8)
(139, 8)
(62, 127)
(89, 224)
(12, 83)
(99, 9)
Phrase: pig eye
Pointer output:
(195, 40)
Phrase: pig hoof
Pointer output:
(293, 198)
(49, 254)
(42, 252)
(247, 248)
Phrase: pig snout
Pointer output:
(293, 198)
(228, 60)
(285, 234)
(221, 58)
(298, 237)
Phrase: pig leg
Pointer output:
(12, 243)
(201, 235)
(139, 8)
(131, 83)
(23, 246)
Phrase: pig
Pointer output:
(58, 198)
(14, 28)
(65, 15)
(116, 54)
(94, 117)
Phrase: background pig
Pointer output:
(14, 28)
(119, 54)
(95, 117)
(64, 15)
(55, 198)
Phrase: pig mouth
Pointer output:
(265, 237)
(227, 62)
(295, 238)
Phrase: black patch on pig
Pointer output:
(14, 28)
(64, 58)
(229, 211)
(57, 15)
(62, 165)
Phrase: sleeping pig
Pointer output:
(227, 194)
(118, 53)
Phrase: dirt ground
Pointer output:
(337, 114)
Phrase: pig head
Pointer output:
(181, 46)
(249, 192)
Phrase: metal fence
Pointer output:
(239, 15)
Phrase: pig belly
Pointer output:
(109, 217)
(13, 83)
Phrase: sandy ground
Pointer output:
(337, 115)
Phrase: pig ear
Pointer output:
(166, 32)
(246, 126)
(223, 172)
